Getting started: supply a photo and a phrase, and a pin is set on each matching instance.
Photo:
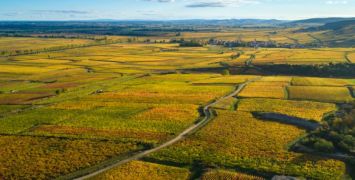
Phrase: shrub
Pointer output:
(226, 72)
(324, 145)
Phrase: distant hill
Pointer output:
(347, 26)
(317, 21)
(323, 20)
(334, 34)
(341, 26)
(201, 22)
(233, 22)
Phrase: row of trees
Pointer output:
(323, 70)
(187, 43)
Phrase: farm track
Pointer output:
(207, 118)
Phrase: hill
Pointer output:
(334, 34)
(318, 21)
(341, 26)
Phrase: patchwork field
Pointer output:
(67, 110)
(138, 170)
(46, 158)
(249, 35)
(303, 109)
(231, 80)
(12, 44)
(307, 81)
(223, 174)
(265, 89)
(239, 141)
(319, 93)
(300, 56)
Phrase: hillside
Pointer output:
(334, 34)
(319, 21)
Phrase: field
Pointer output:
(125, 108)
(47, 158)
(229, 141)
(223, 174)
(352, 57)
(264, 56)
(303, 109)
(12, 44)
(65, 98)
(143, 170)
(267, 89)
(229, 80)
(65, 110)
(301, 56)
(319, 93)
(248, 35)
(226, 104)
(307, 81)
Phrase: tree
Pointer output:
(225, 72)
(324, 146)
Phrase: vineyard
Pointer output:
(223, 174)
(46, 158)
(302, 56)
(143, 170)
(307, 81)
(319, 93)
(229, 141)
(266, 89)
(303, 109)
(71, 105)
(14, 44)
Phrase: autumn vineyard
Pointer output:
(177, 100)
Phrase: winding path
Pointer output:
(208, 117)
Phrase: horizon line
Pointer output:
(182, 19)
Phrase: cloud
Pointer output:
(221, 3)
(60, 12)
(205, 4)
(209, 3)
(334, 2)
(162, 1)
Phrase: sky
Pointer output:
(173, 9)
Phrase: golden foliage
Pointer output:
(219, 174)
(302, 109)
(47, 158)
(236, 139)
(320, 93)
(139, 170)
(309, 81)
(264, 89)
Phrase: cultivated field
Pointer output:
(300, 56)
(307, 81)
(223, 174)
(303, 109)
(320, 93)
(142, 170)
(65, 110)
(13, 44)
(237, 140)
(265, 89)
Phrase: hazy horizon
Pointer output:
(66, 10)
(153, 20)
